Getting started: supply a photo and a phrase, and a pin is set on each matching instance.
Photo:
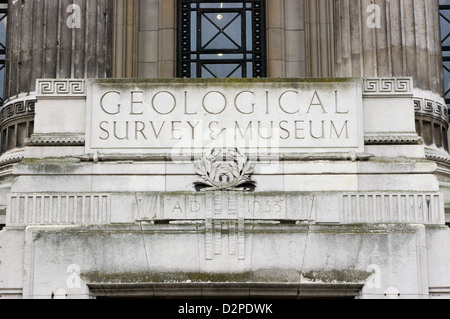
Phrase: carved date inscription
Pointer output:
(238, 205)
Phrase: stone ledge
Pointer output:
(11, 157)
(301, 157)
(387, 139)
(56, 140)
(437, 155)
(242, 290)
(262, 277)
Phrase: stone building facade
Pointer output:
(278, 148)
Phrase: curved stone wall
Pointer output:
(432, 120)
(16, 123)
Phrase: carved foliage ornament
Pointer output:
(225, 170)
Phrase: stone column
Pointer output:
(379, 38)
(145, 39)
(57, 39)
(125, 38)
(319, 38)
(285, 25)
(397, 38)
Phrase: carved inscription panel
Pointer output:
(152, 117)
(238, 205)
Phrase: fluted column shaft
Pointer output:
(389, 38)
(43, 43)
(319, 38)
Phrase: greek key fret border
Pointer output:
(59, 87)
(16, 109)
(387, 86)
(424, 106)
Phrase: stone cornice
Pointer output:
(412, 139)
(285, 157)
(437, 155)
(430, 108)
(56, 140)
(17, 109)
(12, 157)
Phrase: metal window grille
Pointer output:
(221, 39)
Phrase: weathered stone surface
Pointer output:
(279, 116)
(302, 255)
(113, 198)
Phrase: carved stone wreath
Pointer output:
(225, 170)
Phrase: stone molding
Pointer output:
(294, 157)
(392, 87)
(421, 208)
(17, 109)
(61, 88)
(432, 119)
(12, 157)
(16, 122)
(58, 209)
(437, 155)
(56, 140)
(371, 87)
(441, 158)
(393, 139)
(291, 287)
(433, 109)
(233, 206)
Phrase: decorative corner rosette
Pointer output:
(225, 170)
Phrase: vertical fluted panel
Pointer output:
(42, 44)
(405, 42)
(125, 38)
(319, 37)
